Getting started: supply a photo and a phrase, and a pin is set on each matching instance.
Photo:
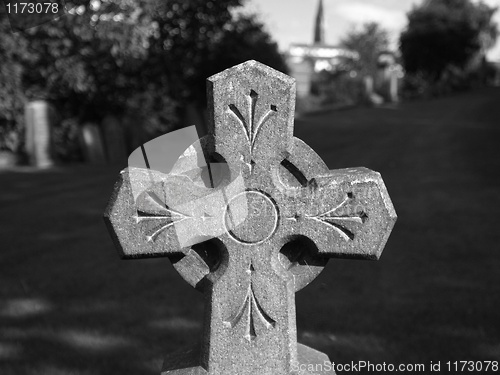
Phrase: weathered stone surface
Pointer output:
(261, 230)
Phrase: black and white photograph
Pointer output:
(249, 187)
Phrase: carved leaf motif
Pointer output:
(249, 125)
(151, 209)
(339, 222)
(252, 311)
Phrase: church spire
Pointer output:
(319, 27)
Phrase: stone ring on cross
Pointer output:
(263, 230)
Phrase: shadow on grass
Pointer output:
(68, 304)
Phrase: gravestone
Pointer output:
(264, 229)
(91, 143)
(387, 80)
(370, 93)
(394, 86)
(114, 139)
(38, 116)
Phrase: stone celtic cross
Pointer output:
(262, 229)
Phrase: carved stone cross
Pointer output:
(262, 230)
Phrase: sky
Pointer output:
(292, 21)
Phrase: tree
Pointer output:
(244, 38)
(184, 39)
(12, 51)
(88, 61)
(443, 34)
(146, 58)
(368, 42)
(107, 56)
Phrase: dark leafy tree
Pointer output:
(88, 61)
(13, 50)
(446, 33)
(184, 38)
(146, 58)
(244, 38)
(368, 42)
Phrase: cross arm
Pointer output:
(153, 214)
(128, 223)
(349, 214)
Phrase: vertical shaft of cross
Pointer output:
(250, 313)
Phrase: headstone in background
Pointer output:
(394, 86)
(261, 234)
(302, 70)
(8, 159)
(114, 139)
(496, 79)
(39, 116)
(387, 83)
(368, 80)
(91, 142)
(370, 93)
(388, 77)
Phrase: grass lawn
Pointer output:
(69, 305)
